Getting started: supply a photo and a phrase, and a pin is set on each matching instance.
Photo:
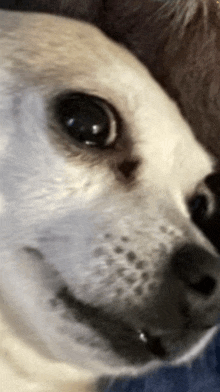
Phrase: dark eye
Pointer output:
(87, 119)
(213, 183)
(198, 207)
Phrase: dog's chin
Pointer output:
(106, 344)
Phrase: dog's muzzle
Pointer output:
(181, 313)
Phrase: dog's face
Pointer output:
(97, 168)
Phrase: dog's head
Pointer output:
(101, 179)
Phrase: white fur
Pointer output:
(61, 201)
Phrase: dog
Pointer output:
(102, 181)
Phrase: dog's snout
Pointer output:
(199, 272)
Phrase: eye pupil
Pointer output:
(198, 207)
(86, 119)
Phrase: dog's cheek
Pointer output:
(109, 251)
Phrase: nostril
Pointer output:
(205, 286)
(196, 268)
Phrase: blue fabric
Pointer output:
(203, 376)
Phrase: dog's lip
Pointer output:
(136, 346)
(128, 343)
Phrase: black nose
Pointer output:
(199, 272)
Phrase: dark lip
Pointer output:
(125, 341)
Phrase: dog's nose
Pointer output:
(199, 273)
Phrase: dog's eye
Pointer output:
(205, 209)
(87, 119)
(213, 183)
(198, 207)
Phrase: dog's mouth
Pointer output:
(137, 347)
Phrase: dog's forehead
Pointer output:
(61, 49)
(53, 51)
(58, 53)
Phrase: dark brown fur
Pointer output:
(178, 40)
